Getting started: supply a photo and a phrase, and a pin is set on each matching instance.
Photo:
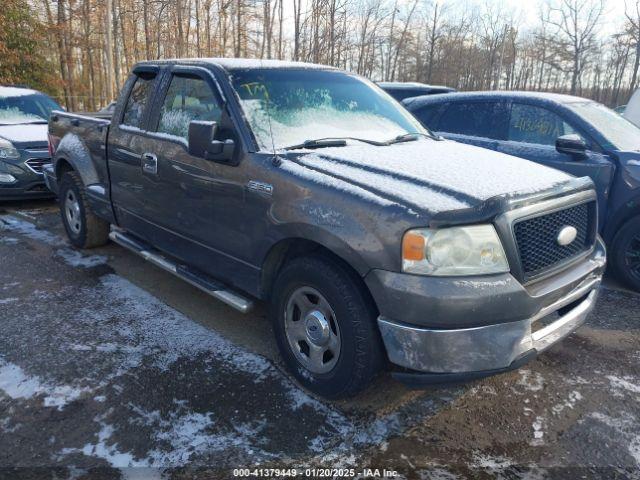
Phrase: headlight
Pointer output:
(473, 250)
(7, 150)
(7, 178)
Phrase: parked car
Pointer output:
(632, 111)
(23, 142)
(403, 90)
(307, 187)
(578, 136)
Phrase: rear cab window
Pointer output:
(475, 119)
(136, 106)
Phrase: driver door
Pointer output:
(199, 200)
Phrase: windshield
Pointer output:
(30, 108)
(313, 104)
(619, 132)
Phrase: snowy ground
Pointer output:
(111, 368)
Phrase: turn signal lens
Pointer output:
(413, 247)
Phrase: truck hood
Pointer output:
(22, 135)
(428, 175)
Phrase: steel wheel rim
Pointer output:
(312, 330)
(72, 212)
(632, 257)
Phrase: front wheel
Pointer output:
(625, 253)
(325, 326)
(84, 228)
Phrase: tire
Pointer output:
(84, 228)
(336, 307)
(625, 254)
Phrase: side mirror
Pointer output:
(573, 145)
(202, 142)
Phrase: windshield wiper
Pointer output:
(331, 142)
(408, 137)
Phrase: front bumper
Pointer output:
(482, 345)
(28, 184)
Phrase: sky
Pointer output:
(612, 20)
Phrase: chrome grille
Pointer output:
(537, 238)
(37, 164)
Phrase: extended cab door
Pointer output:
(532, 134)
(126, 146)
(480, 123)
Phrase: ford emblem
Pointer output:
(566, 236)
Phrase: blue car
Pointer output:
(576, 135)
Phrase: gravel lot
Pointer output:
(112, 368)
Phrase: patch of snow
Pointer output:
(538, 431)
(9, 240)
(72, 257)
(573, 398)
(491, 463)
(7, 92)
(76, 259)
(239, 63)
(15, 383)
(627, 427)
(623, 384)
(12, 224)
(531, 382)
(109, 451)
(4, 301)
(634, 163)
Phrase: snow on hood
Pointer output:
(24, 133)
(431, 175)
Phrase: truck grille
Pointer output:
(537, 238)
(37, 164)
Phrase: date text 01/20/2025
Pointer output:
(315, 473)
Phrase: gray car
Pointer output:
(23, 142)
(373, 241)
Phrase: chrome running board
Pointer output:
(197, 279)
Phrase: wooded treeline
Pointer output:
(81, 50)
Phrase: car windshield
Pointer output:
(289, 107)
(619, 132)
(27, 108)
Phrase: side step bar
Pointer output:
(197, 279)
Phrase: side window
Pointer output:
(531, 124)
(188, 98)
(426, 115)
(137, 101)
(479, 119)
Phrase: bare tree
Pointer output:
(576, 23)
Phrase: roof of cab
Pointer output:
(514, 95)
(242, 63)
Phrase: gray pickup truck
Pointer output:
(373, 241)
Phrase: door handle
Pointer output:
(149, 163)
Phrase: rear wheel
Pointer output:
(625, 253)
(325, 326)
(84, 229)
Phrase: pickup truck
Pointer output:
(374, 243)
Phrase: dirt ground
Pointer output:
(111, 368)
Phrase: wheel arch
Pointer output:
(289, 248)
